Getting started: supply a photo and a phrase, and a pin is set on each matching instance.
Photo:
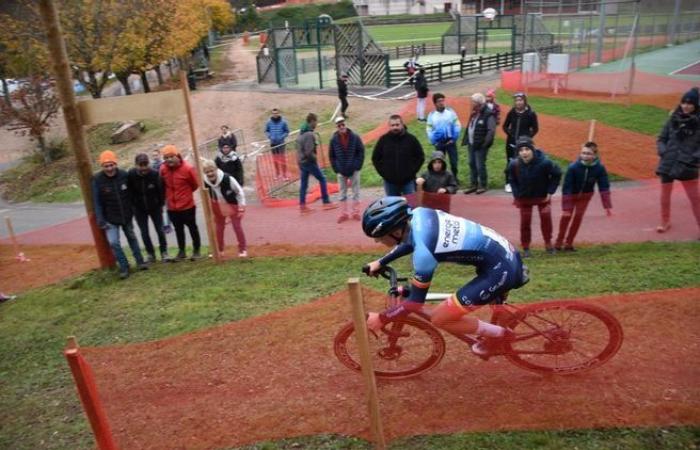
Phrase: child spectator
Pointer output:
(579, 184)
(534, 179)
(228, 160)
(437, 180)
(147, 199)
(227, 200)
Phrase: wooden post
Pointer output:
(591, 130)
(204, 196)
(71, 115)
(11, 233)
(358, 315)
(89, 397)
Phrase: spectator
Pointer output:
(421, 94)
(579, 184)
(156, 160)
(493, 106)
(463, 52)
(227, 138)
(343, 94)
(307, 143)
(111, 197)
(411, 66)
(228, 200)
(147, 199)
(437, 182)
(534, 179)
(277, 130)
(678, 147)
(479, 137)
(228, 160)
(347, 154)
(443, 131)
(180, 181)
(397, 157)
(520, 121)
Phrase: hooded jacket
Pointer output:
(224, 190)
(442, 179)
(146, 190)
(678, 146)
(581, 178)
(520, 124)
(111, 198)
(398, 157)
(230, 164)
(276, 131)
(179, 183)
(346, 160)
(307, 142)
(536, 179)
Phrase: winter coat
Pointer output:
(678, 147)
(224, 191)
(179, 184)
(536, 179)
(146, 190)
(581, 179)
(421, 85)
(496, 109)
(228, 139)
(520, 124)
(442, 179)
(276, 131)
(342, 88)
(307, 141)
(443, 126)
(230, 164)
(346, 160)
(111, 198)
(484, 129)
(398, 157)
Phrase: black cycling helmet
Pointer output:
(383, 215)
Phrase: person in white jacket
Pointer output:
(228, 201)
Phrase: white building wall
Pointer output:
(389, 7)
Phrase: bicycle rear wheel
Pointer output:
(563, 338)
(408, 347)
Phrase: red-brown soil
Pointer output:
(276, 376)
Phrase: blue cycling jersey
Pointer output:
(436, 236)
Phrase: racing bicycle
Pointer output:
(551, 338)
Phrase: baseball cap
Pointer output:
(339, 119)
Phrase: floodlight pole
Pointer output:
(633, 66)
(601, 27)
(674, 23)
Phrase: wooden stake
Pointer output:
(204, 196)
(358, 315)
(591, 130)
(11, 233)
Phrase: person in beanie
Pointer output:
(147, 199)
(228, 201)
(443, 130)
(112, 201)
(343, 94)
(277, 131)
(347, 154)
(520, 121)
(307, 143)
(229, 161)
(678, 147)
(579, 184)
(478, 136)
(437, 180)
(534, 179)
(421, 86)
(180, 181)
(397, 157)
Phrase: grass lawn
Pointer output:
(408, 34)
(40, 408)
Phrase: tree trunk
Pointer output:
(144, 82)
(124, 80)
(159, 74)
(170, 67)
(6, 91)
(92, 85)
(42, 148)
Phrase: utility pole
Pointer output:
(71, 115)
(674, 23)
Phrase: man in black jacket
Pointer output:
(343, 94)
(112, 201)
(147, 199)
(520, 121)
(398, 156)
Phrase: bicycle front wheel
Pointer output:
(403, 349)
(562, 338)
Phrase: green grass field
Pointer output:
(408, 34)
(40, 408)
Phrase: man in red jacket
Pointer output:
(180, 181)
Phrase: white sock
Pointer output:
(489, 330)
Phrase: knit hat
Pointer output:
(170, 150)
(525, 141)
(692, 97)
(107, 156)
(141, 158)
(491, 93)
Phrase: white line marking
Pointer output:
(684, 67)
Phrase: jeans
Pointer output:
(451, 151)
(112, 232)
(312, 169)
(181, 218)
(477, 167)
(157, 219)
(354, 185)
(400, 189)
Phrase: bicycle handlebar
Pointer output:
(388, 273)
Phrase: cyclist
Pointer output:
(434, 236)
